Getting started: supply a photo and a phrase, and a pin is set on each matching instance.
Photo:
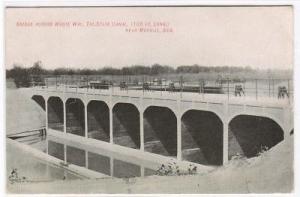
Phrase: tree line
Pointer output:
(23, 76)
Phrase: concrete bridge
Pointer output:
(205, 129)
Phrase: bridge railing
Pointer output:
(162, 87)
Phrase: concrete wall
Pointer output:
(55, 113)
(126, 125)
(160, 131)
(98, 120)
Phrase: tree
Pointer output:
(20, 76)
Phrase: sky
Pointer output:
(260, 37)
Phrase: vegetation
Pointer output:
(24, 75)
(172, 169)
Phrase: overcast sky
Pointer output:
(261, 37)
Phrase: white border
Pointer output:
(39, 3)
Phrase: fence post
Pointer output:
(273, 87)
(56, 82)
(227, 88)
(199, 86)
(87, 83)
(288, 90)
(269, 87)
(112, 83)
(245, 88)
(76, 85)
(143, 84)
(127, 82)
(161, 87)
(181, 86)
(256, 89)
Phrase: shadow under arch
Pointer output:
(160, 131)
(248, 135)
(98, 120)
(126, 125)
(75, 116)
(40, 101)
(55, 113)
(202, 137)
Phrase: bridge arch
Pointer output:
(249, 134)
(40, 101)
(202, 137)
(262, 114)
(215, 112)
(98, 120)
(75, 116)
(160, 131)
(126, 125)
(55, 114)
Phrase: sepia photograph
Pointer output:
(165, 99)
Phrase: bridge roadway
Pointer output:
(203, 128)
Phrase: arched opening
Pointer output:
(126, 125)
(98, 120)
(75, 116)
(56, 114)
(160, 131)
(202, 137)
(39, 100)
(249, 135)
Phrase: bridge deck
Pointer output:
(260, 100)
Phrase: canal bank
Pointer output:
(256, 175)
